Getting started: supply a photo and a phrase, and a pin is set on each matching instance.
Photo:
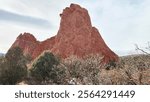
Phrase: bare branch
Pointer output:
(139, 49)
(148, 46)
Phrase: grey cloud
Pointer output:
(24, 20)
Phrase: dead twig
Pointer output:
(139, 49)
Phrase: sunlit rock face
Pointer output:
(76, 36)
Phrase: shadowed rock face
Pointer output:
(76, 36)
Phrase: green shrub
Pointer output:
(13, 67)
(45, 70)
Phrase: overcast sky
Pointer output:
(122, 23)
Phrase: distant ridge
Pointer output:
(2, 54)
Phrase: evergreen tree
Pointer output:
(13, 69)
(45, 68)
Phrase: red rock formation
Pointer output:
(27, 42)
(45, 45)
(30, 46)
(76, 36)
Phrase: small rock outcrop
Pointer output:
(27, 42)
(76, 36)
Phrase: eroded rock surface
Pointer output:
(76, 36)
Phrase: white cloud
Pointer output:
(122, 23)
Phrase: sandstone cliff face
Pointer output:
(30, 46)
(76, 36)
(27, 42)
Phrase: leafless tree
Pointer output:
(145, 51)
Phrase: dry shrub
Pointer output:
(113, 77)
(135, 67)
(130, 70)
(83, 71)
(145, 77)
